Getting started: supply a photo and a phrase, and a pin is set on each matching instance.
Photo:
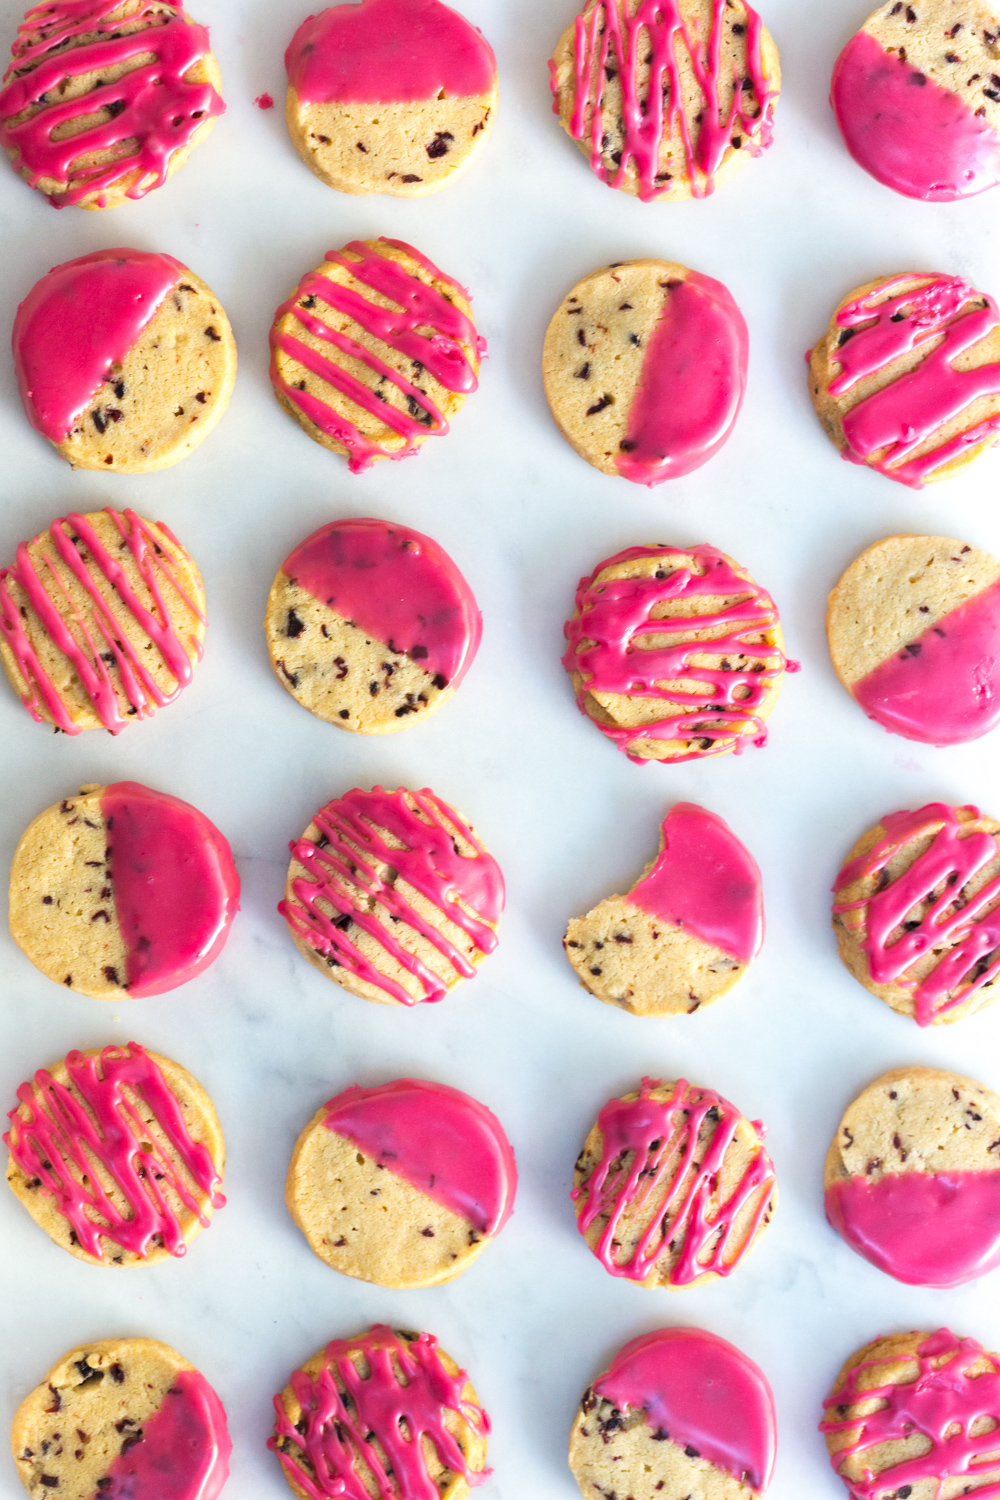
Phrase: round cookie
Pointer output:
(344, 1419)
(680, 1412)
(404, 1184)
(104, 100)
(122, 891)
(649, 1210)
(118, 1154)
(375, 351)
(125, 360)
(912, 1177)
(906, 379)
(392, 896)
(113, 1416)
(916, 912)
(371, 626)
(645, 369)
(654, 692)
(390, 96)
(686, 931)
(667, 102)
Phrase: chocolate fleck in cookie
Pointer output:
(906, 379)
(390, 96)
(118, 1154)
(916, 912)
(122, 891)
(375, 351)
(673, 1186)
(113, 1417)
(125, 360)
(666, 103)
(680, 1412)
(685, 932)
(371, 626)
(345, 1418)
(392, 896)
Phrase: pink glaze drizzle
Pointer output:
(439, 1140)
(60, 1137)
(925, 1228)
(443, 350)
(339, 1428)
(467, 890)
(662, 1139)
(183, 1452)
(157, 108)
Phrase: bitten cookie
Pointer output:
(125, 360)
(404, 1184)
(685, 932)
(916, 912)
(914, 633)
(113, 1417)
(122, 891)
(912, 1177)
(673, 1186)
(344, 1420)
(390, 96)
(392, 896)
(906, 379)
(105, 99)
(375, 351)
(118, 1154)
(679, 1412)
(667, 102)
(371, 626)
(645, 369)
(675, 653)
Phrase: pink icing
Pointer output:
(942, 1404)
(662, 1141)
(264, 101)
(399, 586)
(466, 889)
(55, 1138)
(446, 352)
(156, 107)
(705, 881)
(925, 1228)
(338, 1427)
(183, 1449)
(700, 1392)
(439, 1140)
(906, 130)
(386, 52)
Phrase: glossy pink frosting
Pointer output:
(183, 1449)
(925, 1228)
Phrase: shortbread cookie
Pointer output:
(102, 619)
(666, 102)
(916, 912)
(122, 891)
(371, 626)
(917, 97)
(673, 1186)
(104, 99)
(114, 1418)
(392, 896)
(675, 653)
(914, 632)
(404, 1184)
(390, 96)
(125, 360)
(347, 1420)
(645, 368)
(906, 379)
(118, 1154)
(685, 932)
(912, 1177)
(375, 351)
(679, 1412)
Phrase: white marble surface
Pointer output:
(568, 817)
